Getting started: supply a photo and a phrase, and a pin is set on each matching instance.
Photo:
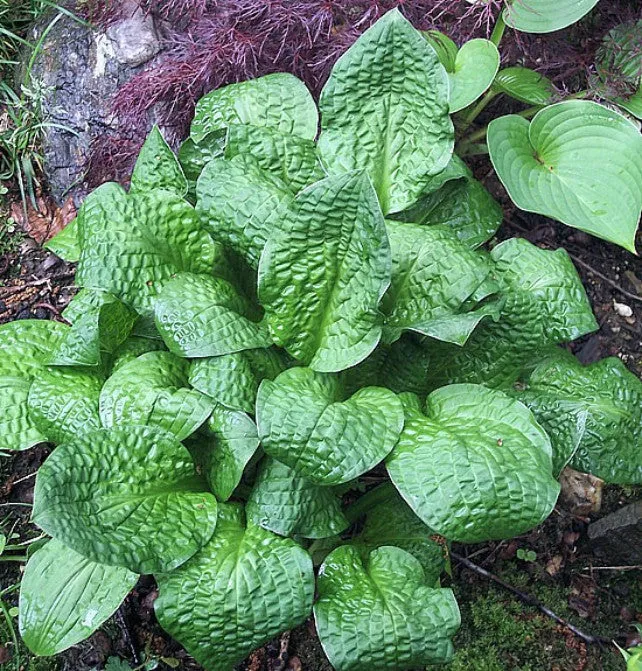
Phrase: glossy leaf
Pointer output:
(63, 402)
(593, 415)
(321, 282)
(132, 348)
(525, 85)
(545, 16)
(289, 505)
(127, 496)
(414, 621)
(193, 156)
(18, 431)
(224, 448)
(200, 316)
(233, 379)
(306, 422)
(384, 109)
(279, 101)
(153, 390)
(65, 597)
(471, 434)
(157, 167)
(245, 587)
(65, 243)
(241, 204)
(27, 345)
(584, 167)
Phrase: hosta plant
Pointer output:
(298, 351)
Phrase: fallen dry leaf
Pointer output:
(554, 565)
(43, 223)
(581, 493)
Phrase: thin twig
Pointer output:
(613, 568)
(121, 620)
(530, 600)
(26, 477)
(608, 280)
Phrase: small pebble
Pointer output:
(622, 309)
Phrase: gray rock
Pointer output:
(617, 538)
(77, 73)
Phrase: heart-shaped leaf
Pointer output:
(473, 434)
(414, 620)
(157, 167)
(524, 85)
(545, 16)
(384, 110)
(306, 422)
(152, 390)
(127, 496)
(201, 316)
(284, 502)
(245, 587)
(63, 402)
(279, 101)
(604, 400)
(583, 164)
(65, 597)
(322, 282)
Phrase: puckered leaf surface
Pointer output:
(584, 167)
(413, 621)
(284, 502)
(153, 390)
(65, 597)
(471, 434)
(245, 587)
(306, 421)
(127, 496)
(157, 167)
(321, 282)
(593, 415)
(18, 431)
(385, 109)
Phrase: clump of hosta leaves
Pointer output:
(279, 321)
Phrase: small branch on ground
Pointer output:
(608, 280)
(121, 621)
(530, 600)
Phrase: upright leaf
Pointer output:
(127, 496)
(413, 621)
(471, 434)
(583, 164)
(306, 421)
(525, 85)
(245, 587)
(157, 167)
(385, 109)
(545, 16)
(152, 390)
(65, 597)
(321, 283)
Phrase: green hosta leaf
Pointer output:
(632, 105)
(63, 402)
(65, 243)
(471, 69)
(157, 167)
(241, 204)
(524, 85)
(224, 449)
(153, 235)
(562, 151)
(413, 621)
(128, 496)
(433, 275)
(471, 434)
(455, 169)
(279, 101)
(321, 282)
(132, 348)
(233, 379)
(27, 345)
(201, 316)
(18, 431)
(292, 159)
(65, 597)
(385, 109)
(100, 323)
(193, 156)
(462, 204)
(152, 390)
(245, 587)
(593, 415)
(545, 16)
(306, 422)
(289, 505)
(388, 520)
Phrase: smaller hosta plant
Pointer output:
(282, 320)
